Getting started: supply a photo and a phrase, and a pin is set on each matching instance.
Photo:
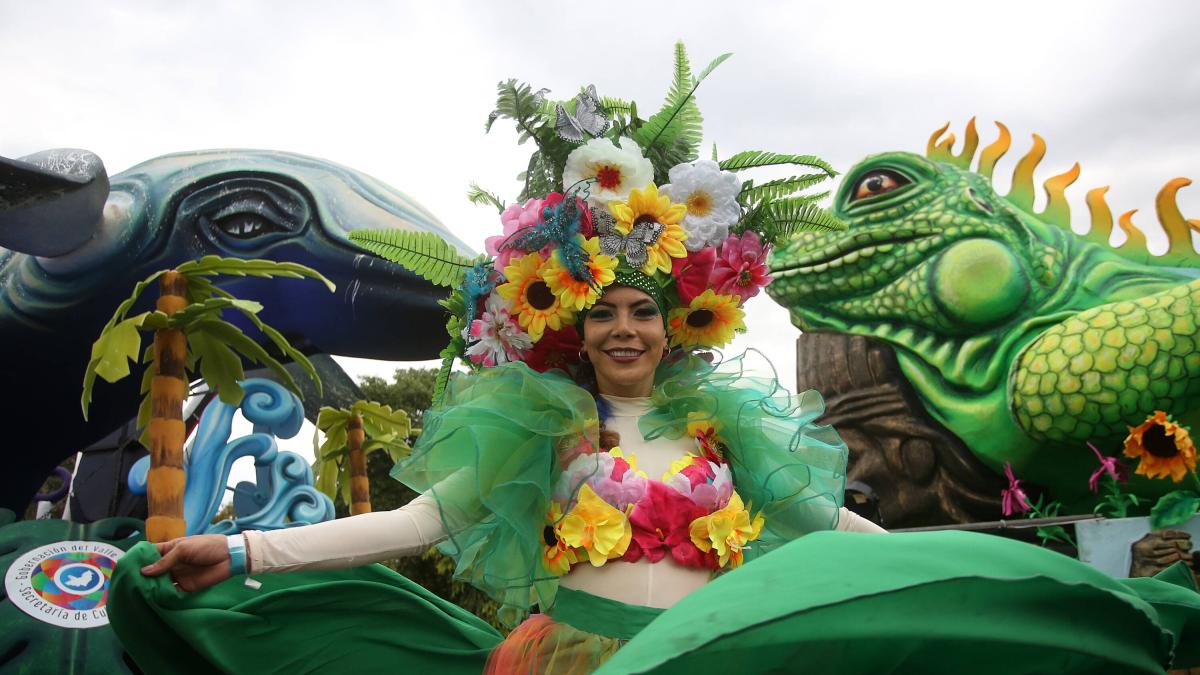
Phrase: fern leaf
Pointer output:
(782, 187)
(786, 217)
(755, 158)
(480, 197)
(673, 134)
(422, 253)
(210, 265)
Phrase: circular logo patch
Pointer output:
(65, 583)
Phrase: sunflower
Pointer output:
(647, 206)
(1162, 447)
(572, 293)
(534, 304)
(709, 321)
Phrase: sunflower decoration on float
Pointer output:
(608, 197)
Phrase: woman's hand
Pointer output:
(195, 562)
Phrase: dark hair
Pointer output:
(585, 376)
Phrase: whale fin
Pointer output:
(51, 202)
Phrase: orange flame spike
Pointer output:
(1021, 194)
(1179, 236)
(1058, 211)
(932, 148)
(1135, 247)
(1102, 219)
(992, 153)
(970, 142)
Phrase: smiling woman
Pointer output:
(624, 339)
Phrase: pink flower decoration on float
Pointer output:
(741, 266)
(692, 273)
(1108, 465)
(516, 217)
(1013, 498)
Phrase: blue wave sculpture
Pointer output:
(283, 494)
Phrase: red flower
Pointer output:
(553, 199)
(692, 273)
(556, 349)
(741, 267)
(661, 523)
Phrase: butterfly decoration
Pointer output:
(634, 246)
(560, 225)
(589, 120)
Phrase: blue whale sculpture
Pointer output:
(73, 243)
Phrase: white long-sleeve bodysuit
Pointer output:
(413, 528)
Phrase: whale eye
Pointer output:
(877, 182)
(246, 225)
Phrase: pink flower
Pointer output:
(1108, 465)
(692, 273)
(661, 524)
(515, 217)
(499, 339)
(741, 267)
(711, 494)
(1013, 498)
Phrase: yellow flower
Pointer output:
(534, 304)
(646, 205)
(678, 465)
(709, 321)
(631, 459)
(727, 531)
(557, 557)
(597, 527)
(702, 424)
(579, 295)
(1163, 448)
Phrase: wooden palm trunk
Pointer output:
(360, 488)
(168, 389)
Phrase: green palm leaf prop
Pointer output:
(751, 159)
(422, 253)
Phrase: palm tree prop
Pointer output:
(189, 335)
(351, 435)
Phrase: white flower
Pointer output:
(617, 169)
(500, 338)
(711, 198)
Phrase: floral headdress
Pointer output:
(610, 198)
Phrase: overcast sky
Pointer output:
(401, 90)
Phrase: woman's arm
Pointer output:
(849, 521)
(348, 542)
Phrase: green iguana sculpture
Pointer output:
(1022, 337)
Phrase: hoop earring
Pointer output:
(666, 350)
(583, 356)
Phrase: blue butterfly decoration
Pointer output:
(560, 226)
(477, 284)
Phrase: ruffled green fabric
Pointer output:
(489, 452)
(492, 449)
(785, 467)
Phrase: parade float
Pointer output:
(965, 341)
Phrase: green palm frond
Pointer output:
(210, 265)
(422, 253)
(673, 134)
(774, 189)
(480, 197)
(781, 219)
(751, 159)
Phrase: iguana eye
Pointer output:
(876, 183)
